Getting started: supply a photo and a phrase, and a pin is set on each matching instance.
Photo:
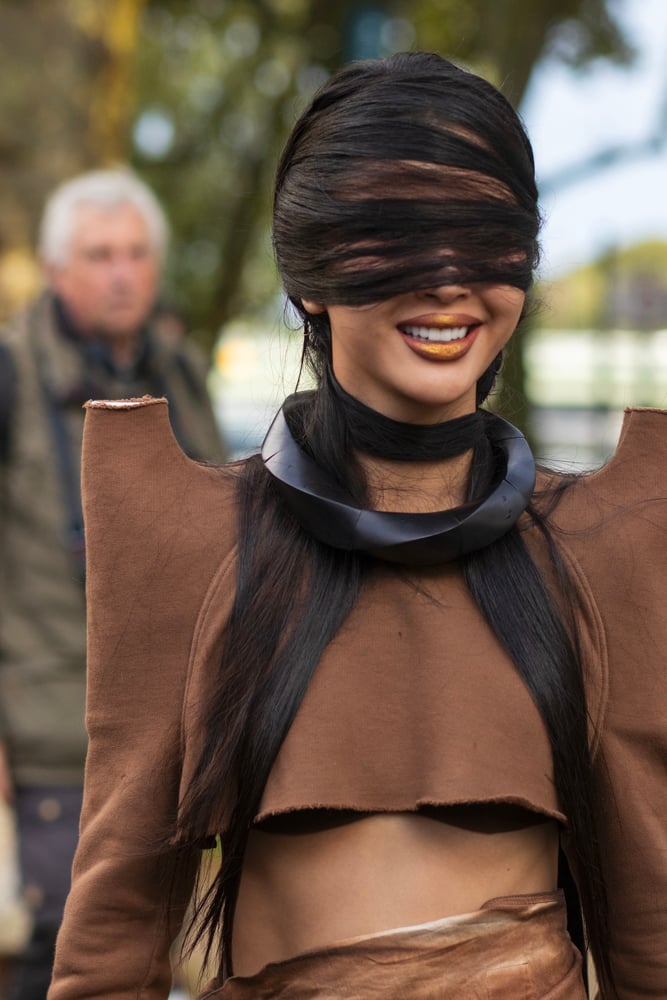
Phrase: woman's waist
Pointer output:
(307, 886)
(509, 947)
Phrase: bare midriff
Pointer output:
(308, 883)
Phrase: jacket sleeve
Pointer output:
(632, 771)
(625, 552)
(149, 564)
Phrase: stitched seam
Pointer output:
(599, 642)
(141, 992)
(211, 592)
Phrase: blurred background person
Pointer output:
(93, 332)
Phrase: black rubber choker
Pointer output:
(375, 434)
(330, 514)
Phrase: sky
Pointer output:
(572, 115)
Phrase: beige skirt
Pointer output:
(513, 948)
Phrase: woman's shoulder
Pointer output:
(135, 436)
(136, 480)
(636, 473)
(639, 464)
(611, 525)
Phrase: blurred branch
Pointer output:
(610, 157)
(219, 82)
(112, 94)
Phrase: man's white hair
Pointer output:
(105, 189)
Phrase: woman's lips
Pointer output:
(440, 336)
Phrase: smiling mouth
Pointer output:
(439, 327)
(439, 336)
(436, 335)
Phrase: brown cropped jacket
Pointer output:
(413, 703)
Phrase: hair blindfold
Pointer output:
(394, 226)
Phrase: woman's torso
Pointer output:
(415, 782)
(312, 879)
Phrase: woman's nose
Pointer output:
(445, 294)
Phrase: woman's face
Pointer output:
(417, 357)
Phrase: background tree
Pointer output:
(624, 288)
(200, 94)
(66, 101)
(220, 83)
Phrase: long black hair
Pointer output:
(411, 146)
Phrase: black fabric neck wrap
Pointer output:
(331, 515)
(375, 434)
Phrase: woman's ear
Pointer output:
(314, 308)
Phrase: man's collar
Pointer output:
(95, 349)
(64, 323)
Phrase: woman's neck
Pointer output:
(416, 468)
(417, 487)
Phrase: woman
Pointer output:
(386, 673)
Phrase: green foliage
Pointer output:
(624, 288)
(228, 80)
(219, 83)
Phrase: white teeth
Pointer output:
(435, 335)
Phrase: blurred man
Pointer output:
(92, 333)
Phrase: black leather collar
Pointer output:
(331, 515)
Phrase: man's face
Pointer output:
(108, 283)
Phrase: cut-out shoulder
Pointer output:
(123, 404)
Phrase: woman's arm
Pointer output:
(631, 768)
(151, 554)
(617, 524)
